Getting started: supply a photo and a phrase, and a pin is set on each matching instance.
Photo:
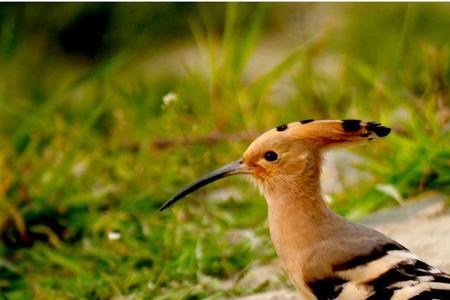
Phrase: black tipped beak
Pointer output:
(235, 167)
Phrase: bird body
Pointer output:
(325, 255)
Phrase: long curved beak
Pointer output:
(235, 167)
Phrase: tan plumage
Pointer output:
(325, 256)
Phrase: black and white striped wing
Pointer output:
(389, 272)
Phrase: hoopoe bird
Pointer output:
(325, 255)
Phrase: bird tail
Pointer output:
(329, 133)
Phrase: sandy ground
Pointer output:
(422, 225)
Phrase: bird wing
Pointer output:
(376, 270)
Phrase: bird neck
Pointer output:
(297, 210)
(298, 220)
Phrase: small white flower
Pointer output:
(169, 98)
(79, 168)
(150, 285)
(114, 236)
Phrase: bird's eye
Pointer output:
(270, 156)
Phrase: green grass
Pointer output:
(82, 141)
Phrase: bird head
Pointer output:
(288, 152)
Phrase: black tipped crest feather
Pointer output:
(282, 127)
(379, 130)
(351, 125)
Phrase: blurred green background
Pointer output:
(107, 109)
